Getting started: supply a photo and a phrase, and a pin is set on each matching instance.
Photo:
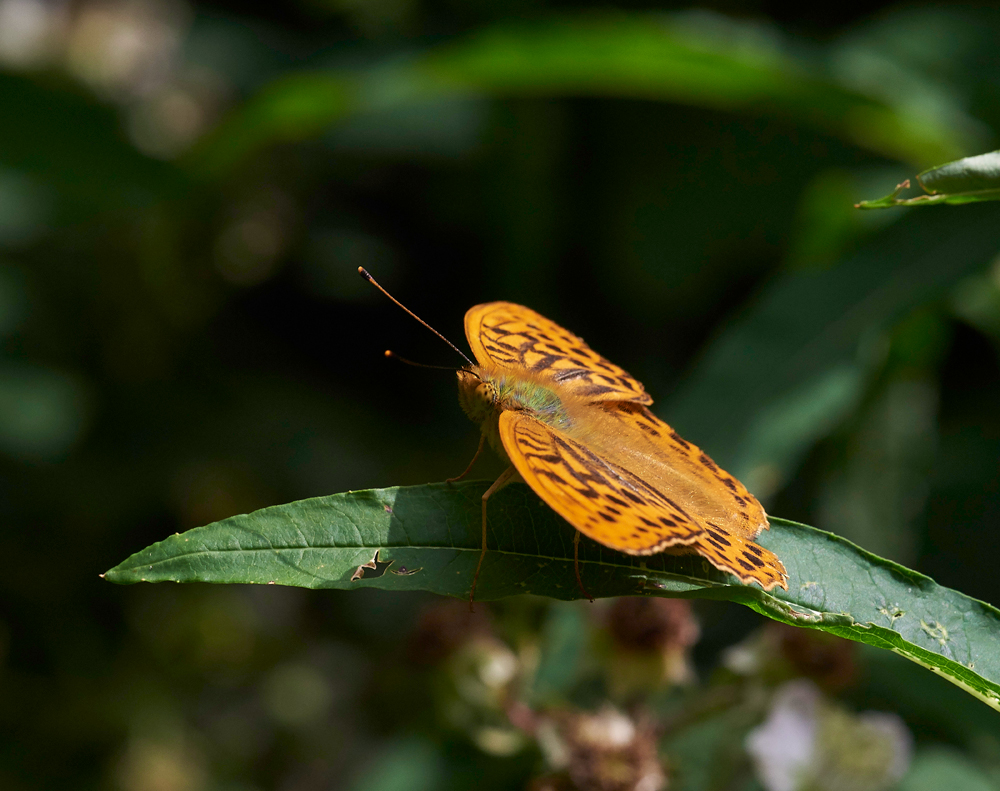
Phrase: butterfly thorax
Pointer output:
(485, 393)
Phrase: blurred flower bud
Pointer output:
(31, 31)
(602, 751)
(248, 249)
(826, 659)
(126, 48)
(170, 764)
(648, 623)
(443, 627)
(165, 122)
(476, 673)
(481, 673)
(651, 640)
(810, 743)
(554, 782)
(777, 653)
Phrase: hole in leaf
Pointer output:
(371, 570)
(403, 571)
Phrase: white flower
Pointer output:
(783, 749)
(808, 742)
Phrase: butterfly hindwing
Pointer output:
(730, 517)
(721, 496)
(620, 509)
(517, 338)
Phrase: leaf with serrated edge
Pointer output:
(433, 532)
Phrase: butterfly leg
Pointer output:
(576, 565)
(509, 476)
(482, 442)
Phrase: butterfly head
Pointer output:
(477, 394)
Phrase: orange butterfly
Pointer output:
(576, 429)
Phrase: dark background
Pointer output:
(183, 340)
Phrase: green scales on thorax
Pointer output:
(484, 394)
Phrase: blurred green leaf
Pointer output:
(797, 361)
(927, 704)
(708, 753)
(42, 412)
(696, 59)
(407, 765)
(66, 143)
(24, 209)
(291, 108)
(941, 767)
(976, 300)
(877, 494)
(564, 640)
(827, 226)
(968, 180)
(427, 538)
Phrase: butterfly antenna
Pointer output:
(364, 273)
(393, 356)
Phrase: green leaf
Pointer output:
(428, 538)
(698, 60)
(969, 180)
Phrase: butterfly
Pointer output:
(577, 429)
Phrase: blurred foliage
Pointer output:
(185, 193)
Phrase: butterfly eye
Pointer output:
(488, 392)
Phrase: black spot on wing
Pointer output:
(679, 440)
(721, 539)
(596, 390)
(545, 362)
(632, 496)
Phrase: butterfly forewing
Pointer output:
(517, 338)
(603, 501)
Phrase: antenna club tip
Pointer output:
(364, 273)
(389, 354)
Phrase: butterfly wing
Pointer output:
(650, 448)
(730, 516)
(515, 337)
(614, 502)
